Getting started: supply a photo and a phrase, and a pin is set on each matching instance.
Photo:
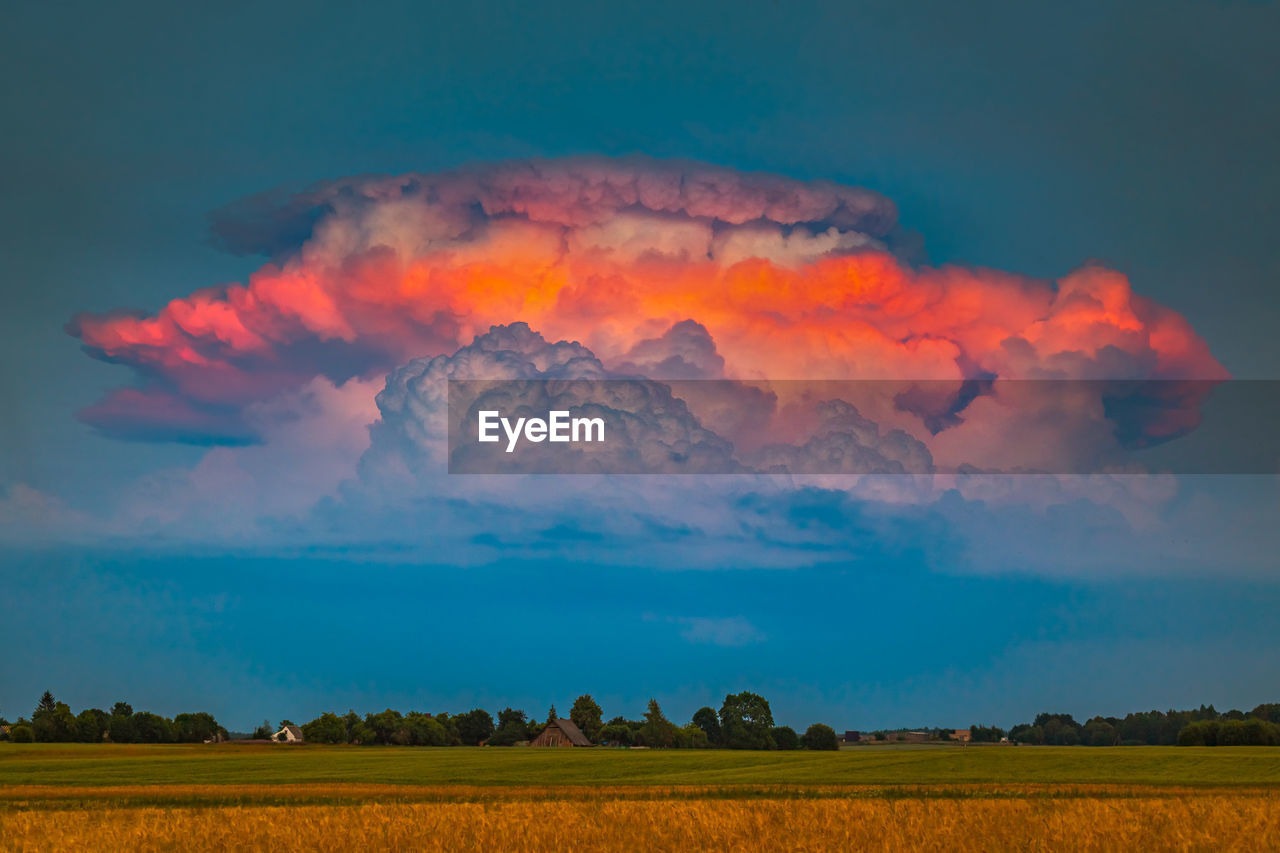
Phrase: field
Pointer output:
(226, 797)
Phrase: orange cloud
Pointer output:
(792, 280)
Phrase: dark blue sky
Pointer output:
(1027, 137)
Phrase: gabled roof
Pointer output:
(293, 730)
(572, 732)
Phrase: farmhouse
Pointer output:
(561, 732)
(288, 734)
(961, 735)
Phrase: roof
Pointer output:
(572, 732)
(293, 730)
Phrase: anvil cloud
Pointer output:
(781, 279)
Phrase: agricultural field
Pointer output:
(231, 797)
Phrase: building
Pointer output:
(909, 737)
(961, 735)
(561, 732)
(851, 736)
(288, 734)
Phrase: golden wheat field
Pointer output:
(972, 818)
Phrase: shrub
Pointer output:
(820, 736)
(785, 737)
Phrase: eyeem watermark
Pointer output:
(557, 427)
(873, 427)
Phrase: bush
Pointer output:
(22, 734)
(785, 737)
(820, 736)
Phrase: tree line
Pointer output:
(1203, 726)
(744, 721)
(53, 722)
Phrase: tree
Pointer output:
(657, 730)
(985, 734)
(1098, 732)
(820, 736)
(47, 703)
(551, 716)
(512, 728)
(152, 728)
(326, 728)
(195, 728)
(746, 721)
(386, 727)
(91, 724)
(616, 734)
(424, 730)
(705, 718)
(474, 726)
(21, 733)
(785, 737)
(691, 737)
(262, 732)
(53, 725)
(587, 716)
(122, 709)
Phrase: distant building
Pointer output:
(288, 734)
(961, 735)
(561, 732)
(851, 736)
(909, 737)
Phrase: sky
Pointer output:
(234, 537)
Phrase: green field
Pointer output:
(229, 764)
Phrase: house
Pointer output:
(961, 735)
(4, 730)
(288, 734)
(561, 732)
(852, 736)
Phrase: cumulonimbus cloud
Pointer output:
(680, 270)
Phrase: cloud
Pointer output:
(322, 379)
(644, 262)
(729, 631)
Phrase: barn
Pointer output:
(288, 734)
(561, 733)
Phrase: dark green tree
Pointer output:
(587, 716)
(387, 727)
(785, 737)
(152, 728)
(746, 721)
(706, 719)
(513, 728)
(196, 727)
(820, 736)
(326, 728)
(91, 725)
(657, 731)
(474, 727)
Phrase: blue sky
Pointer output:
(1024, 138)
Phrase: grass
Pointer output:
(247, 797)
(230, 764)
